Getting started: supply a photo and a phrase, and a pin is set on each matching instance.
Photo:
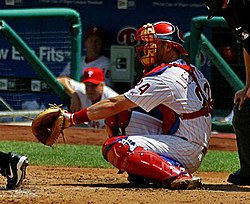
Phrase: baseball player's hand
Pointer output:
(241, 95)
(75, 103)
(68, 120)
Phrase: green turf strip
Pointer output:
(90, 156)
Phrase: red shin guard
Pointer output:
(140, 162)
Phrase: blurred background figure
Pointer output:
(90, 90)
(94, 42)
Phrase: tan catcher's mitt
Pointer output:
(48, 125)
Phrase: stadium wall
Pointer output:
(50, 39)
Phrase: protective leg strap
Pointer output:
(140, 162)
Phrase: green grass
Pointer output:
(220, 161)
(90, 156)
(58, 155)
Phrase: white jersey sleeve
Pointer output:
(108, 92)
(80, 89)
(149, 93)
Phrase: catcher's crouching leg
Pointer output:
(146, 164)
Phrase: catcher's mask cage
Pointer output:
(213, 6)
(150, 34)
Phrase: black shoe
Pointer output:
(140, 182)
(238, 179)
(137, 181)
(17, 170)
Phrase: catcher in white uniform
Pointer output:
(160, 129)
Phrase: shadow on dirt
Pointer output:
(225, 187)
(108, 185)
(213, 187)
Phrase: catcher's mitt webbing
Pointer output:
(48, 125)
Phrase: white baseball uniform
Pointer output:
(101, 62)
(85, 102)
(175, 88)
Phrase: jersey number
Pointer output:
(143, 88)
(206, 90)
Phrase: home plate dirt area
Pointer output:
(47, 184)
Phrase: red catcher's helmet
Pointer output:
(150, 34)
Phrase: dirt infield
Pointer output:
(45, 184)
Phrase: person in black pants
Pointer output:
(13, 167)
(236, 13)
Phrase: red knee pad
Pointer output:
(115, 152)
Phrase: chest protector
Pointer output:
(171, 119)
(115, 125)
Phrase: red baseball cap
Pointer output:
(94, 30)
(93, 75)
